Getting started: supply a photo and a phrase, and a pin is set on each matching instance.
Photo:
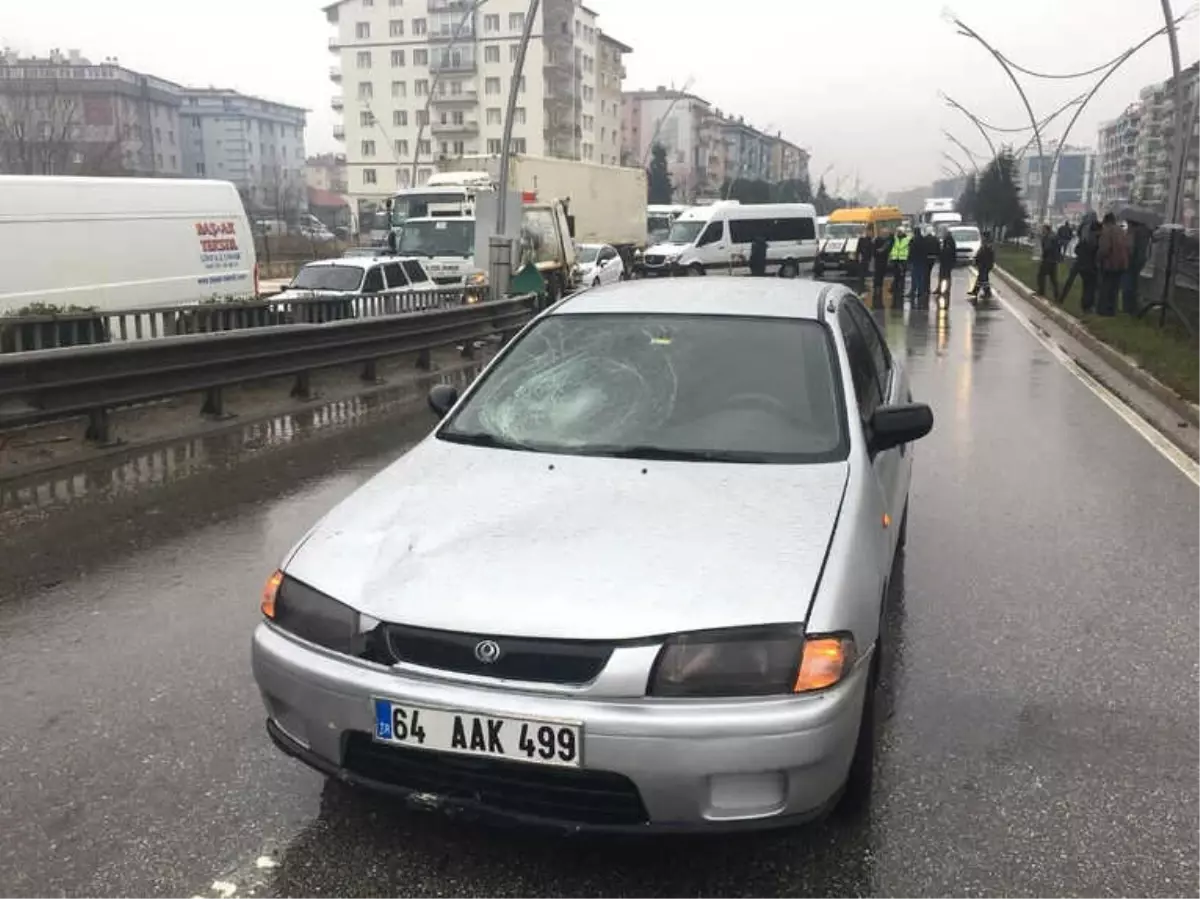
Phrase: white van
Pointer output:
(716, 240)
(122, 243)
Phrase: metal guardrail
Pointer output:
(51, 384)
(71, 329)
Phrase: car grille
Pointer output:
(447, 279)
(655, 260)
(560, 794)
(539, 661)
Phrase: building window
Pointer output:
(365, 90)
(516, 21)
(368, 148)
(491, 23)
(366, 119)
(420, 57)
(493, 146)
(401, 147)
(493, 115)
(518, 145)
(364, 59)
(423, 175)
(396, 28)
(521, 85)
(400, 118)
(512, 52)
(456, 88)
(491, 86)
(200, 169)
(402, 176)
(368, 2)
(425, 148)
(459, 148)
(362, 30)
(397, 59)
(419, 26)
(456, 117)
(519, 115)
(421, 88)
(399, 89)
(422, 117)
(368, 176)
(491, 53)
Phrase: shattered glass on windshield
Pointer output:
(665, 386)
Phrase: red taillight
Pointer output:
(529, 196)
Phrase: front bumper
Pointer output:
(654, 764)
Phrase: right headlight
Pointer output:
(764, 661)
(311, 615)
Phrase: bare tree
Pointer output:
(42, 133)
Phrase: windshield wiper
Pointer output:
(672, 455)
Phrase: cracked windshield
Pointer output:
(599, 447)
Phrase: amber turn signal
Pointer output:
(825, 661)
(270, 589)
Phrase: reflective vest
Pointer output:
(900, 249)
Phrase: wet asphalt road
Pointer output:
(1043, 736)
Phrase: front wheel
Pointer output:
(695, 270)
(856, 795)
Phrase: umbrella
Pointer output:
(1147, 217)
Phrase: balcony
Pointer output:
(337, 103)
(466, 126)
(468, 96)
(334, 46)
(452, 61)
(449, 5)
(335, 74)
(339, 132)
(465, 32)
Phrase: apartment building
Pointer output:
(427, 79)
(1071, 180)
(326, 172)
(1116, 159)
(705, 147)
(64, 115)
(257, 144)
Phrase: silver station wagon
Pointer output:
(635, 579)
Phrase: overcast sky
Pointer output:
(854, 82)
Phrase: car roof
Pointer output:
(360, 261)
(768, 297)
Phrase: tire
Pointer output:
(856, 795)
(789, 269)
(695, 270)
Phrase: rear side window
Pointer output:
(874, 340)
(395, 275)
(862, 366)
(414, 270)
(774, 230)
(374, 280)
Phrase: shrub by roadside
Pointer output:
(1168, 354)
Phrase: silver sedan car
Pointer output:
(633, 580)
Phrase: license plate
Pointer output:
(469, 733)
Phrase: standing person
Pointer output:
(898, 257)
(1049, 264)
(881, 250)
(1084, 265)
(1112, 259)
(916, 264)
(758, 256)
(1139, 253)
(947, 256)
(1064, 235)
(985, 258)
(862, 251)
(932, 247)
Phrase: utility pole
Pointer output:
(500, 247)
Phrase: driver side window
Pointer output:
(713, 233)
(374, 280)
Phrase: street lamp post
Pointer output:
(500, 246)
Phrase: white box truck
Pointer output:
(606, 202)
(122, 243)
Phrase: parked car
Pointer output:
(678, 615)
(356, 279)
(967, 241)
(598, 263)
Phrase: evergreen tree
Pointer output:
(998, 203)
(968, 200)
(659, 189)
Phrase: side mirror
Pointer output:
(893, 426)
(442, 398)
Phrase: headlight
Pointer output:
(478, 279)
(750, 662)
(311, 615)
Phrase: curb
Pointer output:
(1122, 363)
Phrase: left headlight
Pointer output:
(311, 615)
(763, 661)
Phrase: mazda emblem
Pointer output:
(487, 651)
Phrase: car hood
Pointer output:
(294, 293)
(504, 542)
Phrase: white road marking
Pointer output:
(1170, 451)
